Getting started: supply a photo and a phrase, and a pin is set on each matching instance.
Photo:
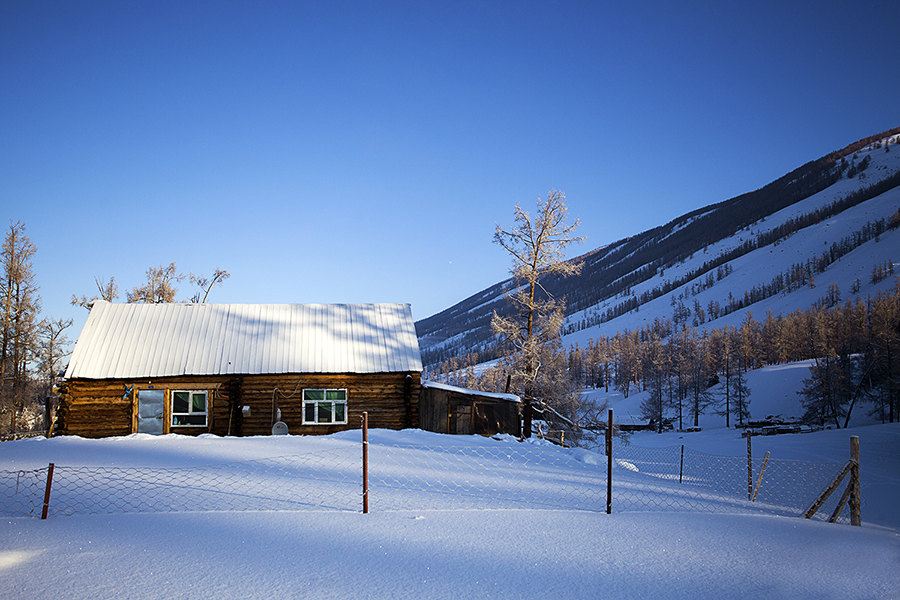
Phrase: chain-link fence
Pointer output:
(679, 478)
(459, 473)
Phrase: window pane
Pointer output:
(325, 410)
(336, 395)
(340, 412)
(313, 394)
(198, 402)
(309, 413)
(180, 402)
(188, 420)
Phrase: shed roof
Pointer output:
(159, 340)
(470, 392)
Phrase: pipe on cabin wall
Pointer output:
(407, 397)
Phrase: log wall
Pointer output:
(100, 408)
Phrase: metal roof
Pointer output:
(469, 392)
(159, 340)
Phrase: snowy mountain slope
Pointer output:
(717, 253)
(759, 266)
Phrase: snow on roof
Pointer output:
(461, 390)
(158, 340)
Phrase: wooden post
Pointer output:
(365, 458)
(562, 439)
(854, 481)
(827, 492)
(46, 507)
(762, 470)
(681, 465)
(840, 505)
(749, 466)
(609, 461)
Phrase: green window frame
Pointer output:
(324, 406)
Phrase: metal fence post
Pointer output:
(609, 461)
(855, 518)
(681, 465)
(46, 507)
(365, 461)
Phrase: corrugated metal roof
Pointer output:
(159, 340)
(470, 392)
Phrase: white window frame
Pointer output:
(325, 391)
(173, 414)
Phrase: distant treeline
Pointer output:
(855, 346)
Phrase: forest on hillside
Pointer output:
(855, 345)
(613, 271)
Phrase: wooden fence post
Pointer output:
(854, 481)
(817, 504)
(46, 507)
(365, 460)
(681, 465)
(609, 461)
(749, 466)
(759, 481)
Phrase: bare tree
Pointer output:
(106, 290)
(536, 246)
(206, 284)
(53, 348)
(159, 287)
(19, 307)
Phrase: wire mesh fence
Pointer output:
(22, 492)
(679, 478)
(463, 473)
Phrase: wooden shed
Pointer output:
(237, 369)
(450, 409)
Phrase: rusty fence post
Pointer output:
(855, 518)
(609, 461)
(46, 507)
(365, 461)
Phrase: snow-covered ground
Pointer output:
(468, 554)
(452, 516)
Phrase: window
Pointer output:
(189, 409)
(324, 407)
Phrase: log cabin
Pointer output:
(238, 369)
(451, 409)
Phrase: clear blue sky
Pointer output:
(331, 152)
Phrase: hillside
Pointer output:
(775, 249)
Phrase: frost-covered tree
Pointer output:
(536, 245)
(160, 286)
(19, 308)
(106, 290)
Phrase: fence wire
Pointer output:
(660, 479)
(491, 474)
(22, 492)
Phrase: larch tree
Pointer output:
(19, 307)
(206, 284)
(107, 290)
(160, 287)
(536, 244)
